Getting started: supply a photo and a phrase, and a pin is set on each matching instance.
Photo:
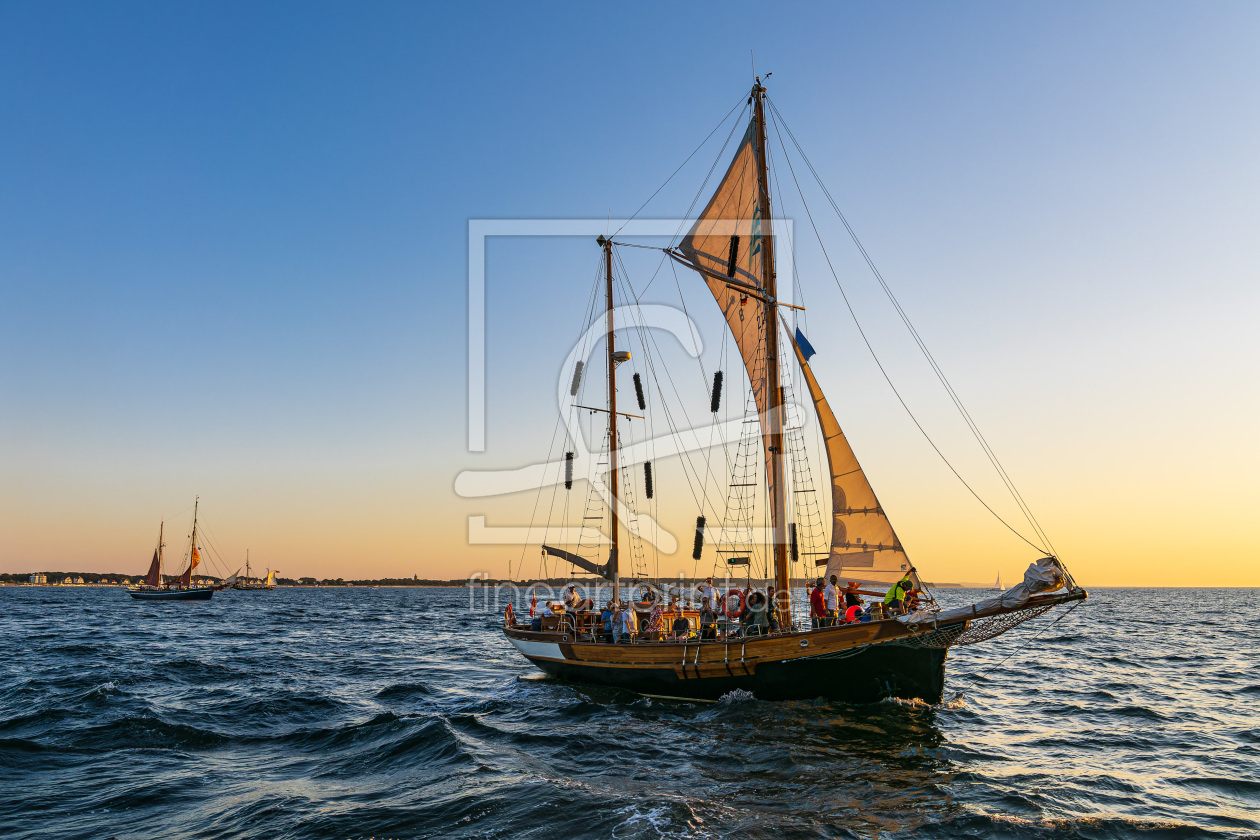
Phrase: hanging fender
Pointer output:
(738, 596)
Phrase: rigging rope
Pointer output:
(853, 314)
(914, 333)
(1024, 646)
(520, 566)
(681, 165)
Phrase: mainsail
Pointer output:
(194, 556)
(153, 578)
(864, 546)
(726, 247)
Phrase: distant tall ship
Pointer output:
(252, 584)
(157, 588)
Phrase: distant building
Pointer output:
(67, 581)
(39, 579)
(79, 581)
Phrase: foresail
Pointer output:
(864, 547)
(725, 247)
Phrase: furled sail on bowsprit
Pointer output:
(726, 247)
(864, 546)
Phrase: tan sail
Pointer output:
(727, 248)
(864, 546)
(153, 578)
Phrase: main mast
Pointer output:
(192, 543)
(612, 421)
(774, 391)
(161, 532)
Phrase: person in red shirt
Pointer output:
(817, 607)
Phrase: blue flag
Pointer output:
(807, 349)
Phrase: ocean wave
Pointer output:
(404, 691)
(142, 732)
(986, 826)
(1247, 790)
(405, 745)
(246, 721)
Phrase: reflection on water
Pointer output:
(395, 713)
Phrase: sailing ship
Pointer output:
(158, 587)
(252, 584)
(898, 651)
(997, 586)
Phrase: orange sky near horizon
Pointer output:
(252, 284)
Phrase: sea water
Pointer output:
(402, 713)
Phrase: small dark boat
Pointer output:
(194, 593)
(155, 588)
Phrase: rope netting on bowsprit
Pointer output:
(977, 631)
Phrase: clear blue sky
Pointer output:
(233, 251)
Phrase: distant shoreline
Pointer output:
(464, 584)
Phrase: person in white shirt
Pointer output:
(707, 591)
(831, 599)
(574, 603)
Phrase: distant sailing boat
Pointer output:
(156, 588)
(253, 584)
(997, 587)
(757, 641)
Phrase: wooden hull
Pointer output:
(199, 594)
(857, 663)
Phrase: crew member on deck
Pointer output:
(755, 620)
(573, 603)
(708, 620)
(896, 598)
(831, 599)
(606, 621)
(546, 612)
(817, 606)
(707, 591)
(851, 596)
(624, 624)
